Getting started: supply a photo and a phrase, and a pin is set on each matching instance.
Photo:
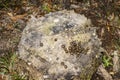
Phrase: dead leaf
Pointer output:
(1, 78)
(17, 17)
(10, 14)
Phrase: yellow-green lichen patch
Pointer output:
(82, 37)
(46, 28)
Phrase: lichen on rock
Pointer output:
(61, 46)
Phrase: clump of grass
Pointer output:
(17, 76)
(7, 63)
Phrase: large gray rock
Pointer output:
(61, 46)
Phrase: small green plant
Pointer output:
(46, 8)
(106, 61)
(7, 63)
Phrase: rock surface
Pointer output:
(61, 46)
